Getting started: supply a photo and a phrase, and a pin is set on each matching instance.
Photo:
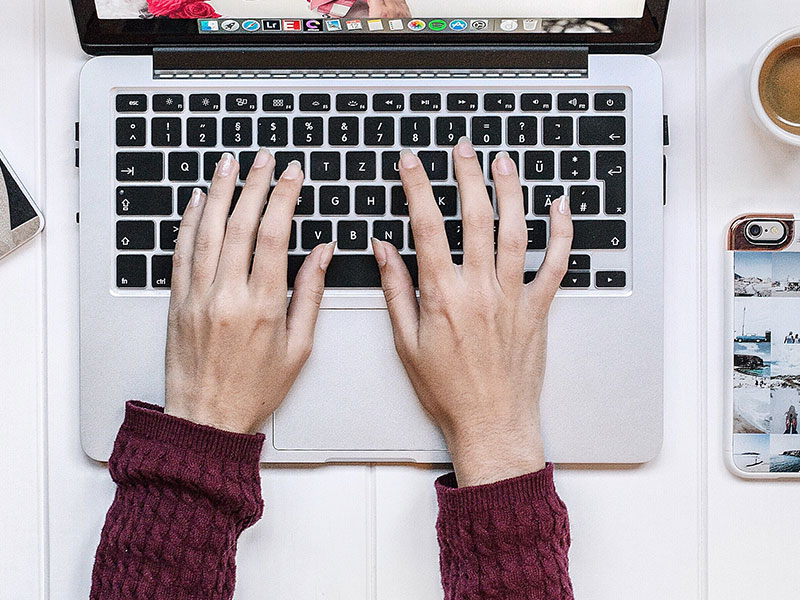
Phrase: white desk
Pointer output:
(678, 528)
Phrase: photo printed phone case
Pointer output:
(763, 360)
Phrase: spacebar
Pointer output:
(351, 270)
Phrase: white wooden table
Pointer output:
(678, 528)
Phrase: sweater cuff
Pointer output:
(149, 421)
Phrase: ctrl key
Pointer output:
(131, 271)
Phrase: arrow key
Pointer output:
(135, 235)
(576, 280)
(610, 279)
(579, 262)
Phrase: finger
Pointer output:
(272, 244)
(512, 233)
(477, 213)
(184, 245)
(398, 289)
(211, 231)
(240, 235)
(544, 287)
(309, 287)
(433, 251)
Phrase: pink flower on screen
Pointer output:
(181, 9)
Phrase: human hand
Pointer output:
(474, 345)
(388, 9)
(233, 352)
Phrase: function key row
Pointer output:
(381, 102)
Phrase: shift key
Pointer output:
(606, 234)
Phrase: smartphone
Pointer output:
(20, 218)
(763, 346)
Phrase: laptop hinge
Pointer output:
(370, 61)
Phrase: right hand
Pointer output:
(474, 346)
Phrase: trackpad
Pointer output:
(353, 393)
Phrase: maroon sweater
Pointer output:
(185, 492)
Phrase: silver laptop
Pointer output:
(567, 89)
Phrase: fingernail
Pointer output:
(326, 255)
(380, 252)
(293, 170)
(262, 158)
(505, 166)
(465, 148)
(197, 196)
(563, 208)
(225, 163)
(408, 159)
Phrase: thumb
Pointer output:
(398, 289)
(309, 286)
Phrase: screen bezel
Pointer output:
(140, 36)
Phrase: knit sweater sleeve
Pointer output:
(184, 494)
(504, 541)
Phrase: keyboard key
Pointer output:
(605, 234)
(278, 102)
(435, 164)
(537, 235)
(307, 131)
(389, 231)
(131, 131)
(575, 164)
(426, 102)
(388, 102)
(449, 130)
(305, 201)
(528, 276)
(540, 165)
(610, 279)
(315, 102)
(390, 170)
(204, 103)
(513, 155)
(610, 168)
(201, 133)
(282, 160)
(536, 102)
(573, 102)
(584, 199)
(499, 102)
(462, 102)
(379, 131)
(579, 262)
(166, 131)
(237, 131)
(522, 131)
(544, 196)
(352, 271)
(273, 132)
(399, 201)
(210, 160)
(370, 200)
(168, 234)
(131, 271)
(241, 103)
(185, 195)
(161, 275)
(334, 200)
(293, 236)
(184, 166)
(314, 233)
(557, 131)
(415, 131)
(351, 102)
(140, 166)
(601, 131)
(576, 280)
(246, 159)
(325, 166)
(144, 200)
(167, 102)
(446, 197)
(343, 131)
(455, 234)
(487, 131)
(131, 103)
(361, 166)
(609, 102)
(351, 235)
(136, 235)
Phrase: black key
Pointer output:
(237, 131)
(361, 166)
(351, 235)
(455, 234)
(449, 130)
(307, 131)
(537, 235)
(144, 200)
(246, 160)
(610, 168)
(132, 271)
(351, 102)
(131, 103)
(462, 102)
(573, 101)
(334, 200)
(584, 199)
(305, 201)
(379, 131)
(544, 196)
(241, 103)
(184, 166)
(399, 201)
(601, 131)
(604, 234)
(557, 131)
(389, 231)
(522, 131)
(609, 102)
(140, 166)
(185, 195)
(136, 235)
(353, 271)
(579, 262)
(499, 102)
(479, 155)
(528, 276)
(435, 164)
(161, 275)
(536, 102)
(370, 200)
(326, 166)
(487, 131)
(166, 131)
(513, 155)
(415, 131)
(610, 279)
(201, 132)
(282, 160)
(540, 165)
(210, 160)
(390, 169)
(388, 102)
(576, 280)
(314, 233)
(237, 192)
(167, 102)
(426, 102)
(315, 102)
(293, 236)
(168, 234)
(575, 164)
(278, 102)
(446, 197)
(343, 131)
(273, 131)
(131, 131)
(204, 102)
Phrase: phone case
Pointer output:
(20, 219)
(763, 353)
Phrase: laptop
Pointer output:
(566, 87)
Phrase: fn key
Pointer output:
(131, 271)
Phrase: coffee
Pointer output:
(779, 86)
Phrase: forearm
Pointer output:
(184, 494)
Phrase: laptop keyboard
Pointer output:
(563, 141)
